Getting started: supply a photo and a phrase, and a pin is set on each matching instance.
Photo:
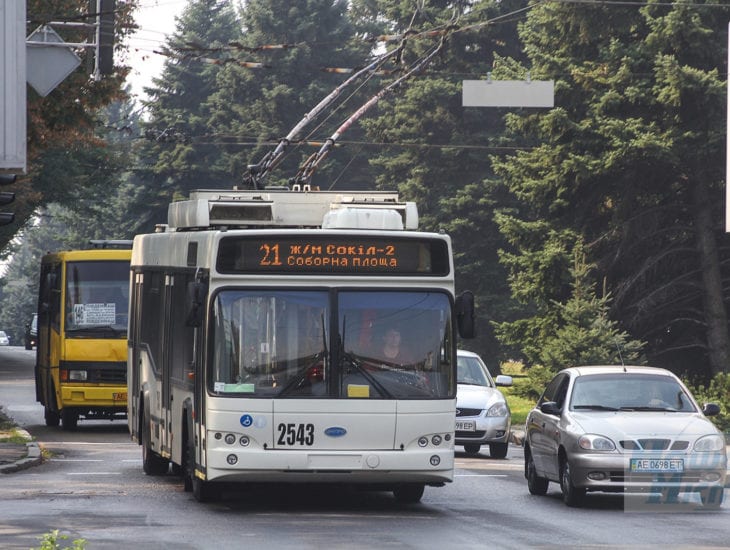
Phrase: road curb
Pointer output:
(33, 455)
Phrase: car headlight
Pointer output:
(593, 442)
(498, 409)
(709, 443)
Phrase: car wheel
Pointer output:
(572, 495)
(472, 448)
(409, 493)
(712, 498)
(498, 450)
(535, 484)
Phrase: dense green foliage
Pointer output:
(716, 391)
(68, 162)
(585, 230)
(630, 162)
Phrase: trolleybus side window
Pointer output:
(151, 318)
(181, 334)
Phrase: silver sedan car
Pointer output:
(623, 429)
(482, 414)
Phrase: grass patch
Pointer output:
(9, 432)
(518, 405)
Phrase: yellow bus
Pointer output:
(81, 356)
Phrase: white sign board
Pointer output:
(508, 93)
(48, 66)
(94, 314)
(12, 87)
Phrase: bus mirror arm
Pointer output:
(195, 303)
(465, 314)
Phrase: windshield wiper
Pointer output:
(300, 375)
(646, 408)
(97, 328)
(596, 407)
(364, 372)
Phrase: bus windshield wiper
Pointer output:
(96, 328)
(301, 374)
(353, 362)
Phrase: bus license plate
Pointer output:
(657, 465)
(119, 396)
(465, 426)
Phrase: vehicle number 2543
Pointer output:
(295, 434)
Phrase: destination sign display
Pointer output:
(331, 254)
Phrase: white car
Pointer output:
(4, 339)
(482, 414)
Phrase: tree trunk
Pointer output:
(718, 341)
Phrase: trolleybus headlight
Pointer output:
(447, 437)
(436, 440)
(435, 460)
(230, 439)
(78, 375)
(232, 459)
(244, 441)
(422, 441)
(218, 435)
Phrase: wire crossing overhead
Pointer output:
(257, 173)
(306, 171)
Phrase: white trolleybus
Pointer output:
(261, 345)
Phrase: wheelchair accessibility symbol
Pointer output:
(246, 420)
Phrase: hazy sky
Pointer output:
(156, 19)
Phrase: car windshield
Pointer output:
(471, 371)
(629, 392)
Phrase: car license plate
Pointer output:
(657, 465)
(465, 426)
(119, 396)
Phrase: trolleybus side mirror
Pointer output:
(195, 303)
(465, 314)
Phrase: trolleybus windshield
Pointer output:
(279, 343)
(97, 298)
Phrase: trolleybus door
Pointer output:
(167, 356)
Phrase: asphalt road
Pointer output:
(92, 487)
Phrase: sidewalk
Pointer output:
(15, 455)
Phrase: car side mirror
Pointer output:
(550, 407)
(503, 380)
(710, 409)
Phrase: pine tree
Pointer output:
(628, 161)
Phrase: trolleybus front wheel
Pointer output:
(409, 492)
(204, 491)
